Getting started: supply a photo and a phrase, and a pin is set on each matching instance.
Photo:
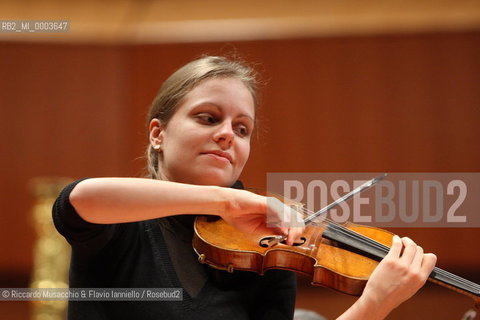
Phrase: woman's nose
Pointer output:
(224, 135)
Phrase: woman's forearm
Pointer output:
(364, 309)
(116, 200)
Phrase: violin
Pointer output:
(340, 257)
(337, 256)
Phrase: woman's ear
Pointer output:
(156, 131)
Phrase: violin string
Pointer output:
(458, 278)
(351, 233)
(385, 249)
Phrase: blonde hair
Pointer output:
(183, 81)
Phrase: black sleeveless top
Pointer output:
(158, 253)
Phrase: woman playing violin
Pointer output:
(136, 233)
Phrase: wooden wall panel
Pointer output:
(63, 113)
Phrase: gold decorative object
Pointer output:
(51, 253)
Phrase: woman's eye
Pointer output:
(243, 131)
(207, 118)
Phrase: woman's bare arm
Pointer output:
(117, 200)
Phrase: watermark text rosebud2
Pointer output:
(399, 200)
(283, 215)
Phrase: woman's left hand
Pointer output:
(403, 271)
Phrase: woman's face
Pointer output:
(207, 140)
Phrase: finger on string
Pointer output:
(409, 250)
(417, 260)
(396, 248)
(428, 263)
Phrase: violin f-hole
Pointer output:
(272, 241)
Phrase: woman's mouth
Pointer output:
(219, 155)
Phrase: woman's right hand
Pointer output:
(253, 213)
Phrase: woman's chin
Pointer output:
(215, 179)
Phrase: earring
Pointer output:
(156, 147)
